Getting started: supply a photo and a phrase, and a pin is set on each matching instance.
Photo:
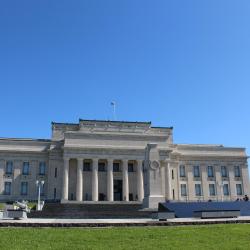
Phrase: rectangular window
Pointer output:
(9, 167)
(224, 171)
(239, 189)
(211, 189)
(237, 171)
(42, 167)
(55, 173)
(86, 166)
(225, 189)
(210, 171)
(172, 174)
(24, 188)
(54, 193)
(101, 167)
(198, 189)
(7, 188)
(26, 167)
(116, 167)
(182, 171)
(131, 167)
(196, 171)
(183, 190)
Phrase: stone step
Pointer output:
(57, 210)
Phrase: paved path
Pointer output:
(116, 222)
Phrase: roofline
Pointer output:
(63, 123)
(164, 127)
(24, 139)
(86, 120)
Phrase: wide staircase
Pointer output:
(91, 211)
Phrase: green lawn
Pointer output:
(233, 236)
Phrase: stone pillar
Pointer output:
(110, 181)
(125, 192)
(232, 183)
(204, 182)
(65, 180)
(140, 188)
(95, 180)
(79, 180)
(245, 179)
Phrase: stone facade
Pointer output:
(119, 161)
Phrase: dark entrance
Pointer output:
(118, 190)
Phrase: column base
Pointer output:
(152, 201)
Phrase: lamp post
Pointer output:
(39, 184)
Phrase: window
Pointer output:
(86, 166)
(9, 167)
(210, 171)
(237, 171)
(116, 167)
(101, 167)
(183, 190)
(182, 171)
(26, 167)
(238, 189)
(223, 171)
(225, 189)
(198, 189)
(24, 188)
(196, 171)
(42, 167)
(211, 189)
(55, 173)
(172, 174)
(54, 193)
(7, 188)
(131, 167)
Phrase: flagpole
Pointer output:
(114, 113)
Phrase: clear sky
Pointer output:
(176, 63)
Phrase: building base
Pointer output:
(153, 201)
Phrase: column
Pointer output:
(245, 179)
(79, 180)
(65, 180)
(95, 180)
(204, 181)
(110, 181)
(125, 192)
(140, 188)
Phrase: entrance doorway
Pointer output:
(117, 190)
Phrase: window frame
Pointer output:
(7, 172)
(239, 185)
(26, 168)
(7, 183)
(224, 174)
(182, 170)
(210, 171)
(183, 188)
(200, 191)
(214, 191)
(24, 184)
(196, 169)
(42, 166)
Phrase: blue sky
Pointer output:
(176, 63)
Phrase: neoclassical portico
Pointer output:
(121, 170)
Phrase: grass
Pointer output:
(2, 206)
(233, 236)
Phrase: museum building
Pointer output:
(97, 161)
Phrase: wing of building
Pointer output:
(97, 160)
